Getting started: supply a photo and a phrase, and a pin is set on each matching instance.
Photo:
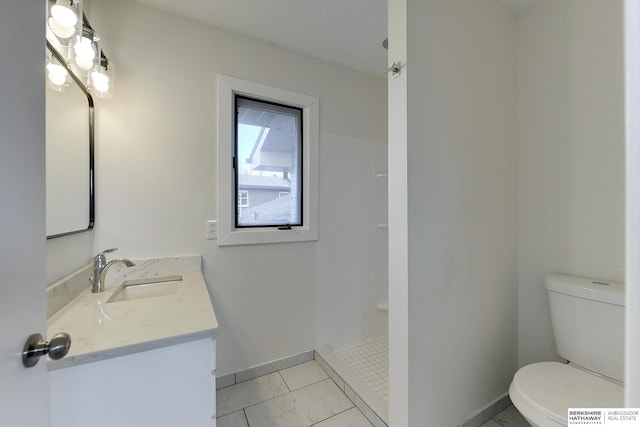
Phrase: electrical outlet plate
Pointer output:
(211, 231)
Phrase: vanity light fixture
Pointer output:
(78, 50)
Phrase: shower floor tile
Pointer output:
(370, 360)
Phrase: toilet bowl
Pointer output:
(588, 324)
(543, 392)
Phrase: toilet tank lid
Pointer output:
(596, 290)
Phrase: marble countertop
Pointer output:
(102, 330)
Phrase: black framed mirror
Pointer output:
(70, 205)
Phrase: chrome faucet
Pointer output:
(100, 267)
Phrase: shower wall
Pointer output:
(351, 269)
(380, 162)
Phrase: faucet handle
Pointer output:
(101, 254)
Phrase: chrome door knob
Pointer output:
(36, 346)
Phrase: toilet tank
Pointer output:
(588, 322)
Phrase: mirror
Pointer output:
(69, 153)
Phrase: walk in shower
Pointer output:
(353, 280)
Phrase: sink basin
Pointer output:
(147, 287)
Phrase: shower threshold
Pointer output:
(361, 371)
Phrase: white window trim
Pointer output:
(227, 233)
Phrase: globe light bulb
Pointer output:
(57, 74)
(63, 15)
(100, 81)
(60, 30)
(85, 65)
(84, 53)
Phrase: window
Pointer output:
(267, 164)
(268, 160)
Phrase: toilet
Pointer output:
(588, 326)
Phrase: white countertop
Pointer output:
(101, 330)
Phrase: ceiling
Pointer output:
(518, 4)
(347, 32)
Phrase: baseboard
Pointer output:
(264, 369)
(488, 412)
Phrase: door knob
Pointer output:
(36, 346)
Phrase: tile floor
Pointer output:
(370, 361)
(510, 417)
(300, 396)
(304, 396)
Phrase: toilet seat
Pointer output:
(544, 391)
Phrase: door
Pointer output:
(23, 392)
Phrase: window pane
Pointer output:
(268, 174)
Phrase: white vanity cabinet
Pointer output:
(163, 387)
(147, 359)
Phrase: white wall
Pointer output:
(156, 167)
(570, 155)
(632, 107)
(461, 209)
